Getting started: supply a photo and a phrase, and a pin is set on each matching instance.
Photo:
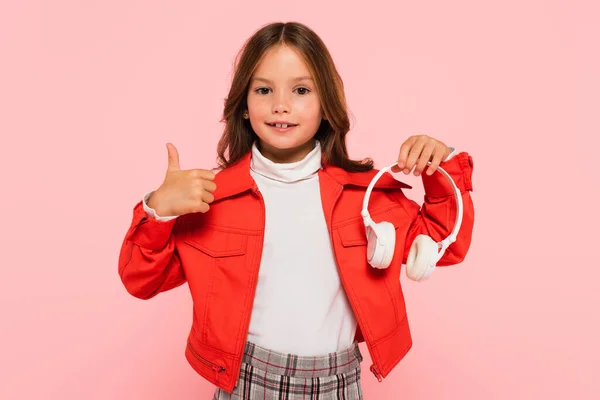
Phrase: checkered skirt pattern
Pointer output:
(266, 374)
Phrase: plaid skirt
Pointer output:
(267, 374)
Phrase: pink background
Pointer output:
(90, 92)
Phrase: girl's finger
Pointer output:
(403, 155)
(425, 157)
(413, 154)
(438, 155)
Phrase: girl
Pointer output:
(273, 246)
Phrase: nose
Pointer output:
(281, 104)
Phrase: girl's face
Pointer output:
(282, 91)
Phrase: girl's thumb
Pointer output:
(173, 164)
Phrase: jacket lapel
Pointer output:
(234, 179)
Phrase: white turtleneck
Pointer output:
(300, 306)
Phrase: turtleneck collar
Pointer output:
(287, 172)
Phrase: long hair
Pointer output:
(238, 135)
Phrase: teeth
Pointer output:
(281, 125)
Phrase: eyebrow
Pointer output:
(300, 78)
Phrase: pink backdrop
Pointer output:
(91, 91)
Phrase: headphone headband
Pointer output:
(444, 243)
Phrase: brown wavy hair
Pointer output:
(238, 135)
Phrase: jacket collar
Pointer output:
(236, 178)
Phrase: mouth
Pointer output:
(282, 127)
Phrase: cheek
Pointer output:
(256, 104)
(309, 109)
(259, 112)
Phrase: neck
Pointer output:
(288, 172)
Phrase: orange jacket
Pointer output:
(218, 253)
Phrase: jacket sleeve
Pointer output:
(436, 216)
(148, 260)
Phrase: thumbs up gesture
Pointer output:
(183, 191)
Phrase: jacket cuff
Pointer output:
(452, 153)
(460, 169)
(151, 212)
(149, 233)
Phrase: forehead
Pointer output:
(282, 63)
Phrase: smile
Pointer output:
(282, 127)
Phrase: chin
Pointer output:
(281, 148)
(282, 142)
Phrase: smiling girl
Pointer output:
(273, 246)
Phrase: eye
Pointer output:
(260, 90)
(306, 90)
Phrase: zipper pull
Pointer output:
(217, 369)
(375, 372)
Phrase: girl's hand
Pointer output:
(417, 151)
(183, 191)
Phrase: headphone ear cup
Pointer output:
(421, 258)
(381, 240)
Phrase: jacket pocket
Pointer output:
(218, 243)
(353, 232)
(218, 275)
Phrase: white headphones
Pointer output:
(423, 255)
